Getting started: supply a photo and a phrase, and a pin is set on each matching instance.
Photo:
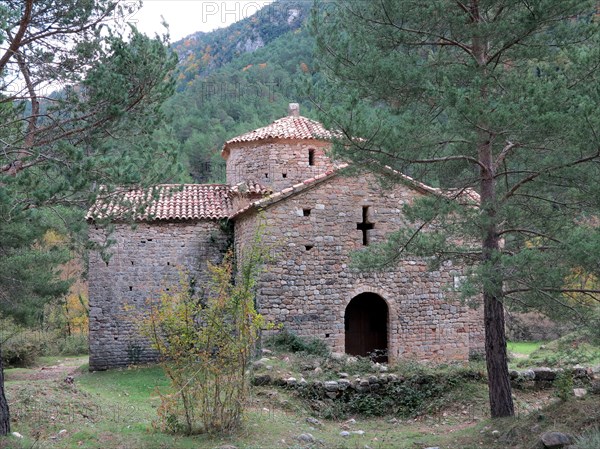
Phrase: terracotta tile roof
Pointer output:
(290, 127)
(251, 187)
(165, 202)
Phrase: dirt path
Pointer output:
(59, 371)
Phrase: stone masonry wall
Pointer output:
(144, 260)
(278, 164)
(309, 283)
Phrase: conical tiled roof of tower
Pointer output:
(294, 126)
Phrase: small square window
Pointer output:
(306, 212)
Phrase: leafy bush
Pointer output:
(563, 385)
(71, 345)
(288, 341)
(21, 350)
(25, 347)
(206, 346)
(20, 347)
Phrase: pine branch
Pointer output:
(528, 231)
(504, 153)
(548, 170)
(555, 290)
(16, 41)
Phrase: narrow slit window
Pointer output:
(311, 157)
(266, 176)
(306, 212)
(130, 288)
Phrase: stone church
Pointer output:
(280, 177)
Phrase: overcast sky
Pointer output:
(188, 16)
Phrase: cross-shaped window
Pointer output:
(365, 226)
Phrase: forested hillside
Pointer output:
(236, 79)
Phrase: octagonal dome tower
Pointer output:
(286, 152)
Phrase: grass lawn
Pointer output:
(524, 347)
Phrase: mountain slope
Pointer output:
(227, 86)
(202, 53)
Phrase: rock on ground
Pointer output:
(579, 392)
(555, 440)
(306, 438)
(314, 421)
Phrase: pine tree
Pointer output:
(80, 100)
(496, 96)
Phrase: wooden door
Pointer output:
(365, 323)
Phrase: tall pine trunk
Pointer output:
(500, 393)
(4, 412)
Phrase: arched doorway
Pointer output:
(366, 327)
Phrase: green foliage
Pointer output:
(77, 110)
(563, 385)
(64, 345)
(285, 340)
(591, 327)
(206, 345)
(20, 347)
(29, 265)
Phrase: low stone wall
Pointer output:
(343, 386)
(332, 388)
(545, 377)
